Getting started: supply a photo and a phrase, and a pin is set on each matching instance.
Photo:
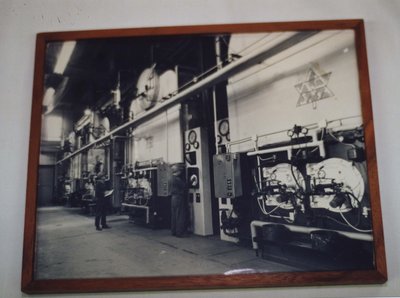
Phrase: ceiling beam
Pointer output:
(220, 75)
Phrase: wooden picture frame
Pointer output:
(377, 274)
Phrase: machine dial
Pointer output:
(223, 127)
(194, 180)
(192, 137)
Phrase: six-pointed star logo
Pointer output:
(314, 88)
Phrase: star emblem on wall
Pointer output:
(314, 88)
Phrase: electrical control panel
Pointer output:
(227, 175)
(198, 179)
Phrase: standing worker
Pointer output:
(179, 204)
(102, 195)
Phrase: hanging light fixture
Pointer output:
(64, 56)
(87, 111)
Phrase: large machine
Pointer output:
(289, 169)
(199, 182)
(77, 176)
(309, 198)
(144, 193)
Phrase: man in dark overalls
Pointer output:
(102, 202)
(179, 204)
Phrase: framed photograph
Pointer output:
(199, 157)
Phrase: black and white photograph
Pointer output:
(195, 154)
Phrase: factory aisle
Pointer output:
(68, 246)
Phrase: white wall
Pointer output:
(48, 159)
(21, 20)
(160, 137)
(263, 99)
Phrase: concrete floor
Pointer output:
(68, 246)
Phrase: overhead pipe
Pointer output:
(319, 144)
(224, 73)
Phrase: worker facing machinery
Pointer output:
(309, 199)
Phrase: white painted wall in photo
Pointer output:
(159, 138)
(267, 97)
(51, 128)
(47, 159)
(21, 20)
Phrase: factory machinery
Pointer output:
(144, 193)
(303, 201)
(306, 202)
(298, 195)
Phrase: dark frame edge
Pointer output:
(33, 162)
(207, 282)
(365, 95)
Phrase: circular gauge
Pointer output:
(192, 137)
(187, 146)
(196, 145)
(219, 140)
(223, 127)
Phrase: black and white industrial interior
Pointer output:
(265, 127)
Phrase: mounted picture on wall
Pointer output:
(198, 157)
